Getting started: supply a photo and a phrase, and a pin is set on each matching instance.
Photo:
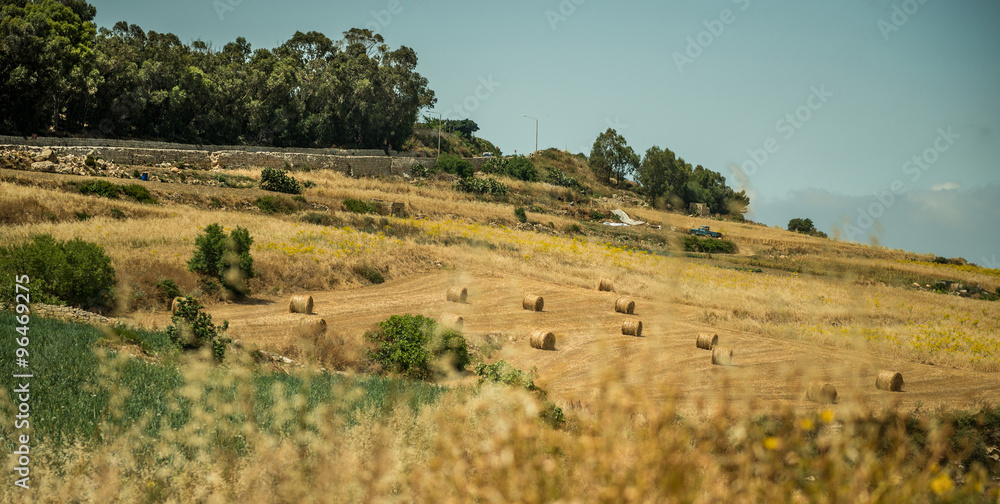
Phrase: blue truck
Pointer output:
(704, 231)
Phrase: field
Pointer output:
(648, 419)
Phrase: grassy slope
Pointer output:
(820, 290)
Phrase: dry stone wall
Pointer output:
(356, 163)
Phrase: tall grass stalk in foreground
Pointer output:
(231, 434)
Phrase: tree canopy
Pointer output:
(612, 157)
(665, 178)
(61, 75)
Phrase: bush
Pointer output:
(517, 167)
(370, 274)
(224, 258)
(275, 205)
(521, 216)
(358, 206)
(101, 188)
(193, 329)
(708, 245)
(418, 170)
(450, 163)
(138, 193)
(407, 345)
(168, 289)
(485, 187)
(572, 229)
(320, 219)
(502, 372)
(557, 177)
(108, 190)
(272, 179)
(76, 273)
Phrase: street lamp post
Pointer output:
(536, 133)
(440, 120)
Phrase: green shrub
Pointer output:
(272, 179)
(941, 260)
(117, 213)
(320, 219)
(418, 170)
(407, 345)
(224, 258)
(308, 184)
(108, 190)
(139, 193)
(275, 205)
(83, 216)
(517, 167)
(370, 274)
(450, 163)
(101, 188)
(572, 229)
(557, 177)
(193, 329)
(521, 216)
(168, 289)
(74, 272)
(709, 245)
(358, 206)
(485, 187)
(502, 372)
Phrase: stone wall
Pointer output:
(356, 163)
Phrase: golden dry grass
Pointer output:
(625, 442)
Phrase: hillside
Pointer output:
(794, 309)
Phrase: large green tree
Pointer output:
(311, 91)
(611, 157)
(47, 70)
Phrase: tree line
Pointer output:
(663, 177)
(59, 74)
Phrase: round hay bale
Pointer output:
(722, 356)
(821, 392)
(625, 305)
(452, 321)
(543, 340)
(533, 303)
(605, 285)
(707, 340)
(457, 294)
(301, 304)
(312, 327)
(889, 380)
(632, 327)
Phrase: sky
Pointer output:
(877, 119)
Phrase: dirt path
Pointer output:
(767, 372)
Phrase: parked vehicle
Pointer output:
(705, 231)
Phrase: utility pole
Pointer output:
(536, 133)
(440, 120)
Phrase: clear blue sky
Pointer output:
(842, 94)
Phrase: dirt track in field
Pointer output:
(766, 373)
